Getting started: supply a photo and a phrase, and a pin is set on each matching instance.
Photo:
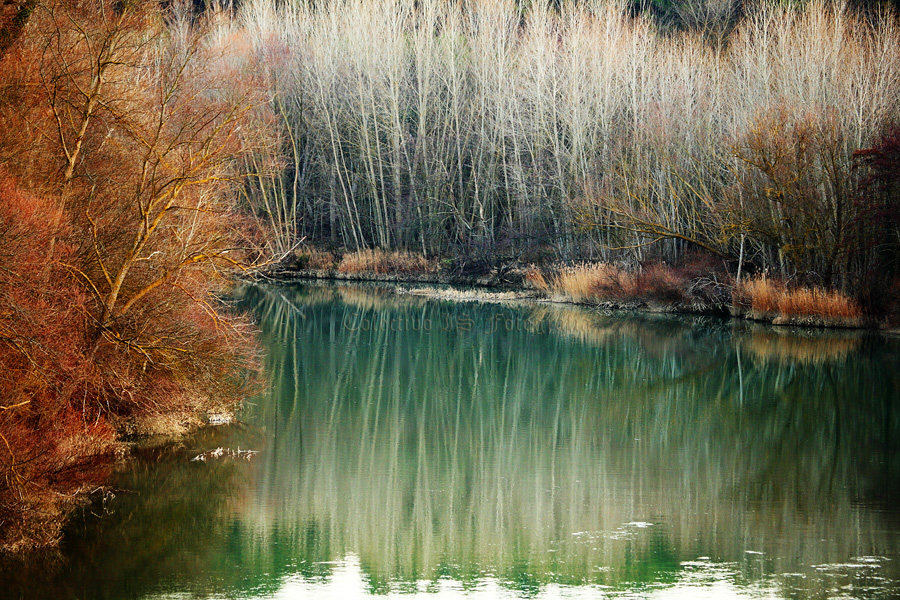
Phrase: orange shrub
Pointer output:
(660, 283)
(51, 443)
(109, 308)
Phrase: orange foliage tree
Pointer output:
(126, 126)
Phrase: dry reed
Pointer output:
(818, 302)
(768, 297)
(604, 282)
(592, 282)
(315, 259)
(385, 263)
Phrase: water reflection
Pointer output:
(414, 446)
(552, 445)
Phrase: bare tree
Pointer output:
(145, 119)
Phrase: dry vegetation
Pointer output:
(380, 262)
(588, 282)
(482, 132)
(759, 297)
(360, 263)
(603, 282)
(766, 298)
(119, 144)
(314, 259)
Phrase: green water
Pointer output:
(466, 450)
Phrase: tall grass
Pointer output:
(484, 127)
(605, 282)
(767, 297)
(587, 282)
(381, 262)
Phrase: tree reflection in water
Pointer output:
(423, 444)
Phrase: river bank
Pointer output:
(695, 289)
(75, 473)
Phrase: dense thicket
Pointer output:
(119, 141)
(577, 131)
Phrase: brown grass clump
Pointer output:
(385, 263)
(585, 282)
(603, 282)
(536, 279)
(313, 258)
(582, 282)
(813, 305)
(760, 294)
(817, 301)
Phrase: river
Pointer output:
(423, 448)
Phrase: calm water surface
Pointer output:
(414, 447)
